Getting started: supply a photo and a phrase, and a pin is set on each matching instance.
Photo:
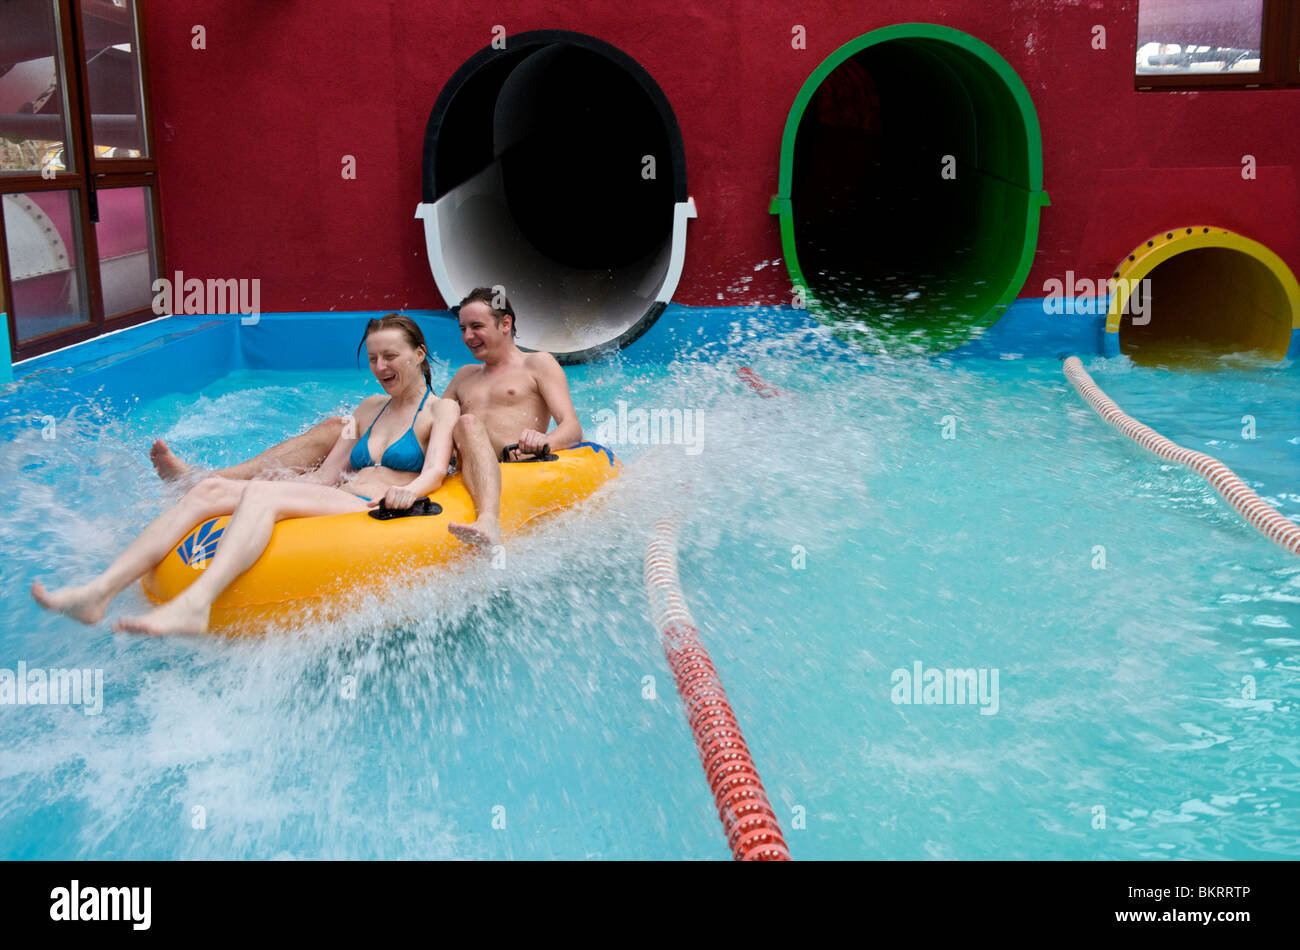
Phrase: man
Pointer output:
(511, 397)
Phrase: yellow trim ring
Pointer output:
(1149, 255)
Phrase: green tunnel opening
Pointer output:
(911, 186)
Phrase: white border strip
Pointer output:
(92, 339)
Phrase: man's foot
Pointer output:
(485, 532)
(85, 603)
(172, 617)
(165, 462)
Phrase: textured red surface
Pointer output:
(251, 133)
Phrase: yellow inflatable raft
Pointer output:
(319, 564)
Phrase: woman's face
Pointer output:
(393, 360)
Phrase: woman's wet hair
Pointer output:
(409, 329)
(486, 295)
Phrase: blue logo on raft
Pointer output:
(200, 544)
(597, 448)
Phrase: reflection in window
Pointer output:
(33, 124)
(1179, 37)
(124, 234)
(43, 232)
(113, 80)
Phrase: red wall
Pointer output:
(251, 132)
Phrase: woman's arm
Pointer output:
(339, 460)
(336, 463)
(437, 456)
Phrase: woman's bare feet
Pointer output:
(86, 603)
(165, 462)
(175, 616)
(485, 532)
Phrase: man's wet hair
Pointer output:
(488, 296)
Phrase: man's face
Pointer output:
(480, 332)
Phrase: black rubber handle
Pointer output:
(542, 456)
(422, 508)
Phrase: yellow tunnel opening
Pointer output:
(1198, 294)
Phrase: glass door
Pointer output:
(79, 244)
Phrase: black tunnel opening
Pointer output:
(556, 166)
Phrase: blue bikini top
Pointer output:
(404, 455)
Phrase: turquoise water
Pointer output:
(830, 537)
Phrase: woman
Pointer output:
(402, 456)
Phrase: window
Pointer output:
(79, 222)
(1225, 44)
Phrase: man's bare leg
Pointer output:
(302, 453)
(482, 476)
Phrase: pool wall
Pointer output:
(182, 354)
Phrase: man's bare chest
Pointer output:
(514, 391)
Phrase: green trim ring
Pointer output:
(1211, 292)
(895, 280)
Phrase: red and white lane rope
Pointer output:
(747, 816)
(1258, 513)
(757, 383)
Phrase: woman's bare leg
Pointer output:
(88, 603)
(242, 543)
(299, 454)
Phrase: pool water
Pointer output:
(953, 513)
